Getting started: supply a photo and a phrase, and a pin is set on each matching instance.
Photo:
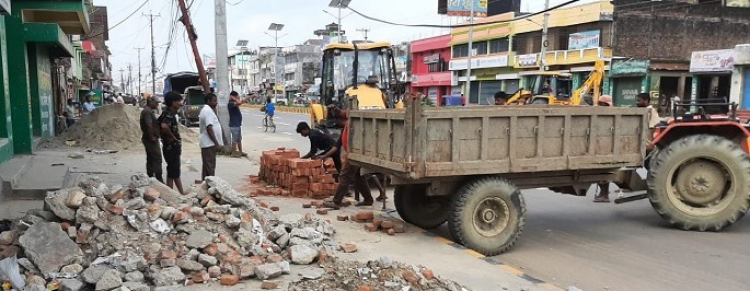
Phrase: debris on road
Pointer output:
(103, 237)
(382, 274)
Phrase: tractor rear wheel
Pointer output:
(700, 182)
(415, 207)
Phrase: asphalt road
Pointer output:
(571, 241)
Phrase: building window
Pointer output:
(499, 45)
(436, 67)
(480, 48)
(461, 51)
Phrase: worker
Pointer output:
(603, 196)
(501, 98)
(644, 101)
(320, 143)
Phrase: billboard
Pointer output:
(462, 7)
(712, 61)
(582, 40)
(738, 3)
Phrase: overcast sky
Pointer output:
(249, 19)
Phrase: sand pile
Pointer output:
(111, 127)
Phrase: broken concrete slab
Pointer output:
(49, 247)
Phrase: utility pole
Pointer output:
(222, 66)
(471, 50)
(122, 80)
(192, 36)
(130, 79)
(139, 70)
(365, 31)
(153, 52)
(545, 28)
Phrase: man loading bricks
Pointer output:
(320, 142)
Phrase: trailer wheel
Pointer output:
(415, 207)
(488, 215)
(700, 182)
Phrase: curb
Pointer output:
(505, 268)
(286, 109)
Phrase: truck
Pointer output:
(467, 165)
(187, 84)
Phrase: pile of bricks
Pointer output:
(295, 177)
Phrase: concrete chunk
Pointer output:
(49, 247)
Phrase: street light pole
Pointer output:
(545, 28)
(275, 27)
(471, 49)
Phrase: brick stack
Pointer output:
(295, 177)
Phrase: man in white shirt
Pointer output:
(88, 106)
(210, 138)
(119, 99)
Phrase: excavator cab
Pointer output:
(364, 70)
(551, 88)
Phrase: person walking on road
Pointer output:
(322, 146)
(70, 113)
(171, 140)
(235, 124)
(88, 106)
(210, 138)
(150, 139)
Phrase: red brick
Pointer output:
(322, 258)
(427, 274)
(274, 208)
(201, 277)
(364, 288)
(151, 194)
(118, 195)
(377, 222)
(306, 205)
(268, 285)
(274, 258)
(180, 217)
(254, 179)
(365, 215)
(211, 250)
(342, 217)
(115, 209)
(229, 280)
(349, 248)
(316, 187)
(371, 227)
(64, 226)
(205, 201)
(298, 186)
(390, 231)
(300, 193)
(386, 224)
(168, 254)
(286, 193)
(322, 211)
(410, 276)
(398, 227)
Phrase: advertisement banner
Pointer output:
(491, 62)
(463, 8)
(582, 40)
(529, 60)
(712, 61)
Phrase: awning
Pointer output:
(51, 35)
(71, 15)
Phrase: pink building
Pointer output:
(430, 74)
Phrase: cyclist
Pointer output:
(270, 110)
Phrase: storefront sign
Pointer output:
(582, 40)
(529, 60)
(492, 62)
(463, 8)
(622, 68)
(712, 61)
(431, 59)
(4, 6)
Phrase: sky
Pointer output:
(249, 20)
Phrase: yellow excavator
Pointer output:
(365, 70)
(554, 88)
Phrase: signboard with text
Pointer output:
(431, 59)
(463, 8)
(582, 40)
(712, 61)
(529, 60)
(491, 62)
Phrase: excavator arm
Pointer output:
(593, 82)
(519, 98)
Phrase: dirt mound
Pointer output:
(111, 127)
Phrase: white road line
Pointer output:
(287, 133)
(283, 123)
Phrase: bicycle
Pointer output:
(266, 120)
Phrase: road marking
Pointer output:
(506, 268)
(287, 133)
(284, 124)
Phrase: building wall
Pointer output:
(672, 30)
(6, 129)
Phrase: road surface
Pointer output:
(570, 241)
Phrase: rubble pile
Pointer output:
(112, 237)
(382, 274)
(110, 127)
(295, 177)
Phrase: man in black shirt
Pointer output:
(171, 140)
(235, 124)
(150, 138)
(320, 142)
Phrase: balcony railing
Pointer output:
(565, 57)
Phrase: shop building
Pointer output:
(491, 63)
(430, 74)
(577, 37)
(33, 35)
(740, 89)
